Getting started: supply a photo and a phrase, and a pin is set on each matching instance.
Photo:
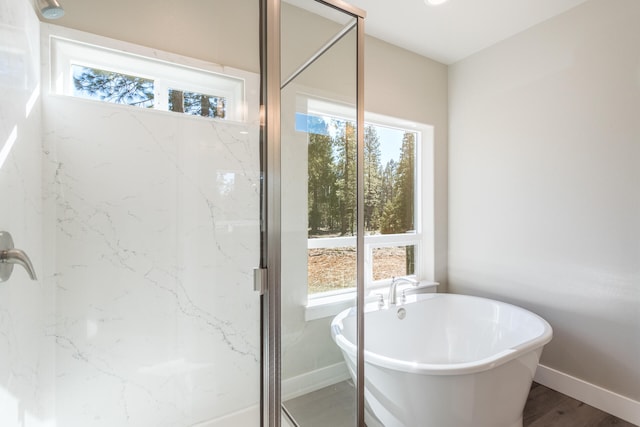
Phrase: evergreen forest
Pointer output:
(388, 188)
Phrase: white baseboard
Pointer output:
(291, 388)
(314, 380)
(593, 395)
(248, 417)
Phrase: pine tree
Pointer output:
(386, 210)
(322, 178)
(113, 87)
(398, 186)
(196, 104)
(405, 195)
(405, 184)
(372, 178)
(346, 176)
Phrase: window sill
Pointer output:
(331, 305)
(319, 308)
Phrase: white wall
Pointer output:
(219, 31)
(544, 177)
(25, 359)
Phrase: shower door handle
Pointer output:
(260, 280)
(9, 256)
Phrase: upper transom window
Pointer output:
(108, 75)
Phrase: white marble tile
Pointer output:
(19, 62)
(25, 362)
(156, 219)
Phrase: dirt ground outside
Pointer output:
(332, 269)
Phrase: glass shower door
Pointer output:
(319, 173)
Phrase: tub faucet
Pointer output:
(393, 295)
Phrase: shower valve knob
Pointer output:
(9, 256)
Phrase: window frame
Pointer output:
(168, 71)
(328, 303)
(371, 242)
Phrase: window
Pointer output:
(88, 71)
(196, 104)
(392, 200)
(110, 86)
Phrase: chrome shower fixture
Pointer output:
(50, 9)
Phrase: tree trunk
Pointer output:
(177, 101)
(204, 105)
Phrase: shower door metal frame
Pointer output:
(270, 215)
(270, 209)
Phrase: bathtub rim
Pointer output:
(462, 368)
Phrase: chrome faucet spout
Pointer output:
(393, 294)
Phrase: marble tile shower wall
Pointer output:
(25, 362)
(152, 219)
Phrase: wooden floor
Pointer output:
(335, 406)
(548, 408)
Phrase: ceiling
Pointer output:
(446, 33)
(456, 29)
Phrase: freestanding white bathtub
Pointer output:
(445, 360)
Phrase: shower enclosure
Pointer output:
(315, 70)
(140, 212)
(146, 213)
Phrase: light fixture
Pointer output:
(50, 9)
(435, 2)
